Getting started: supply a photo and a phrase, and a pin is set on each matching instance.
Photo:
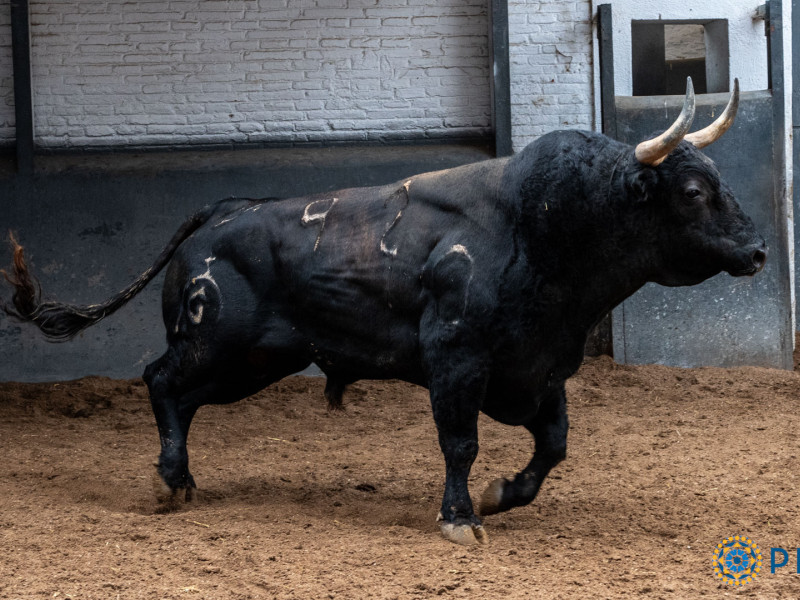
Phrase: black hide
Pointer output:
(480, 282)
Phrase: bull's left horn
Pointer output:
(652, 152)
(712, 133)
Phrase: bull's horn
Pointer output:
(712, 133)
(652, 152)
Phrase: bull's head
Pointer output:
(702, 229)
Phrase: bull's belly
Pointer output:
(515, 392)
(513, 401)
(381, 363)
(364, 345)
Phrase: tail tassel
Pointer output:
(59, 322)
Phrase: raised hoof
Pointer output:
(492, 498)
(466, 534)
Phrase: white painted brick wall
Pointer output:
(121, 72)
(550, 46)
(174, 72)
(6, 77)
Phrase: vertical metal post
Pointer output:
(501, 77)
(782, 197)
(762, 12)
(606, 39)
(23, 84)
(796, 142)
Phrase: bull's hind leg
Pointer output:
(549, 428)
(170, 390)
(179, 386)
(221, 350)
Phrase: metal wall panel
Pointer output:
(725, 321)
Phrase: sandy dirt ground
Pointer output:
(296, 502)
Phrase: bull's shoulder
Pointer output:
(467, 277)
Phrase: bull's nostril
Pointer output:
(759, 259)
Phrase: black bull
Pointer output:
(480, 282)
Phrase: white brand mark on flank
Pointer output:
(318, 217)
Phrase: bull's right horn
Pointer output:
(653, 152)
(712, 133)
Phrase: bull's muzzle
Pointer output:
(759, 257)
(752, 259)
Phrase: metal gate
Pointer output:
(725, 321)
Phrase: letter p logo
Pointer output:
(773, 553)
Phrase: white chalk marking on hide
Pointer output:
(199, 293)
(207, 275)
(228, 220)
(388, 251)
(384, 248)
(460, 249)
(197, 315)
(319, 217)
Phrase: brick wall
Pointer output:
(6, 78)
(201, 71)
(120, 72)
(550, 44)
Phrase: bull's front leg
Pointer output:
(456, 400)
(457, 381)
(456, 361)
(549, 428)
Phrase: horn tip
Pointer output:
(689, 90)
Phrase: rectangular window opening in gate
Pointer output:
(665, 53)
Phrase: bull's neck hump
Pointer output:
(586, 239)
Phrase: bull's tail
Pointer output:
(61, 322)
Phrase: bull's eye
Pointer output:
(692, 193)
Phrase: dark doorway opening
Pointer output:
(664, 54)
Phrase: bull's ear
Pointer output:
(641, 184)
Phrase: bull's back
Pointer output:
(344, 271)
(334, 275)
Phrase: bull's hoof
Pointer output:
(464, 532)
(171, 498)
(492, 498)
